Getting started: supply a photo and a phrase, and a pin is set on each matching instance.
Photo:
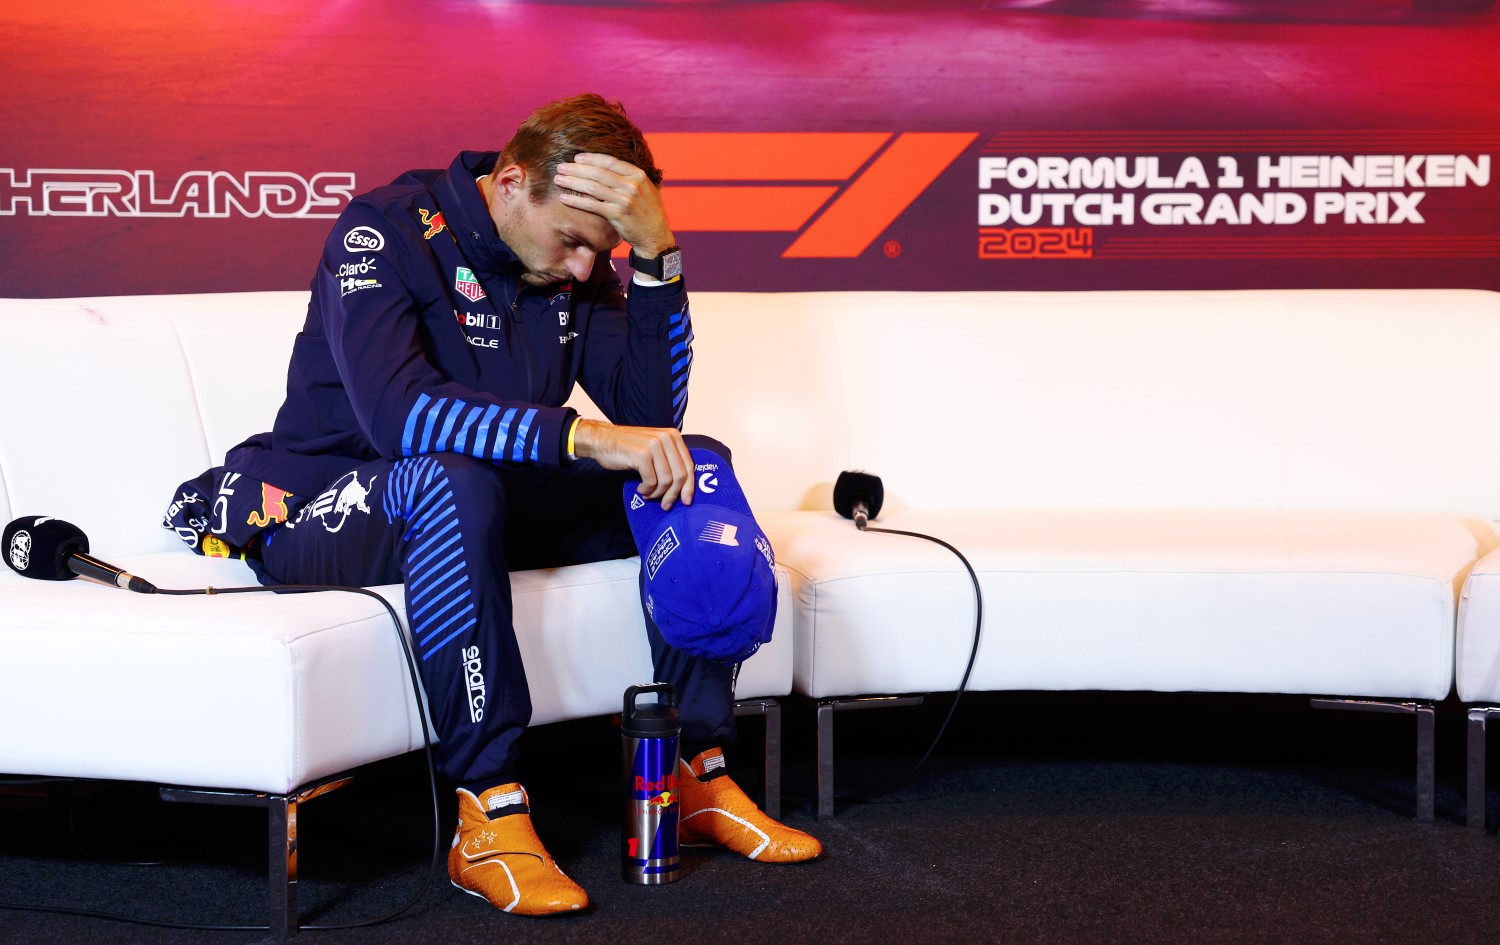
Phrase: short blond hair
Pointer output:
(558, 131)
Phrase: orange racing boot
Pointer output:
(715, 812)
(497, 855)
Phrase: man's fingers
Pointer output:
(600, 183)
(690, 472)
(610, 194)
(619, 192)
(666, 470)
(681, 472)
(608, 163)
(675, 473)
(659, 480)
(653, 483)
(657, 454)
(600, 190)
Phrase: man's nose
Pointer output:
(580, 264)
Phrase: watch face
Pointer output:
(662, 268)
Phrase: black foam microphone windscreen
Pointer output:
(858, 495)
(40, 546)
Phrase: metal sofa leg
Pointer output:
(281, 877)
(281, 834)
(1474, 803)
(771, 709)
(1426, 717)
(826, 708)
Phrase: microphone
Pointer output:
(858, 495)
(50, 549)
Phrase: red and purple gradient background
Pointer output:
(379, 86)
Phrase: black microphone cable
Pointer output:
(968, 669)
(859, 495)
(437, 832)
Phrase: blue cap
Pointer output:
(707, 567)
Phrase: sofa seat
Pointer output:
(1477, 667)
(1312, 602)
(267, 692)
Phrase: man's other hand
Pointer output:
(658, 454)
(621, 193)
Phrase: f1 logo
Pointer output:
(837, 190)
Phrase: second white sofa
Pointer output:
(1260, 492)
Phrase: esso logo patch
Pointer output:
(364, 239)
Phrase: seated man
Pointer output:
(424, 439)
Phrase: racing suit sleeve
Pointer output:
(402, 403)
(639, 353)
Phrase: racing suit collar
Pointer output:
(463, 207)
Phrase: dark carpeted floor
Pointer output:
(1043, 817)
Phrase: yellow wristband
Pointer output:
(572, 430)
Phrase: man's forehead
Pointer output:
(589, 227)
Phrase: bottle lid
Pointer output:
(654, 719)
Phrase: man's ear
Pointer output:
(509, 181)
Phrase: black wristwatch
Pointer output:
(667, 265)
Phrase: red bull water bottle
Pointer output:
(650, 733)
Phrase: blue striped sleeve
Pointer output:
(411, 424)
(431, 424)
(454, 412)
(681, 333)
(519, 452)
(463, 431)
(483, 432)
(502, 434)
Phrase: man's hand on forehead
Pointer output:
(621, 193)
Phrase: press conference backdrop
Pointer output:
(206, 145)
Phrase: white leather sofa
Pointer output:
(237, 698)
(1259, 492)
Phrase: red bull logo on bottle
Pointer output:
(664, 799)
(649, 834)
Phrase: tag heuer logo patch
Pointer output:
(467, 285)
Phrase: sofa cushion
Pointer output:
(1339, 603)
(267, 692)
(1477, 661)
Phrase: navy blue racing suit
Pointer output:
(424, 440)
